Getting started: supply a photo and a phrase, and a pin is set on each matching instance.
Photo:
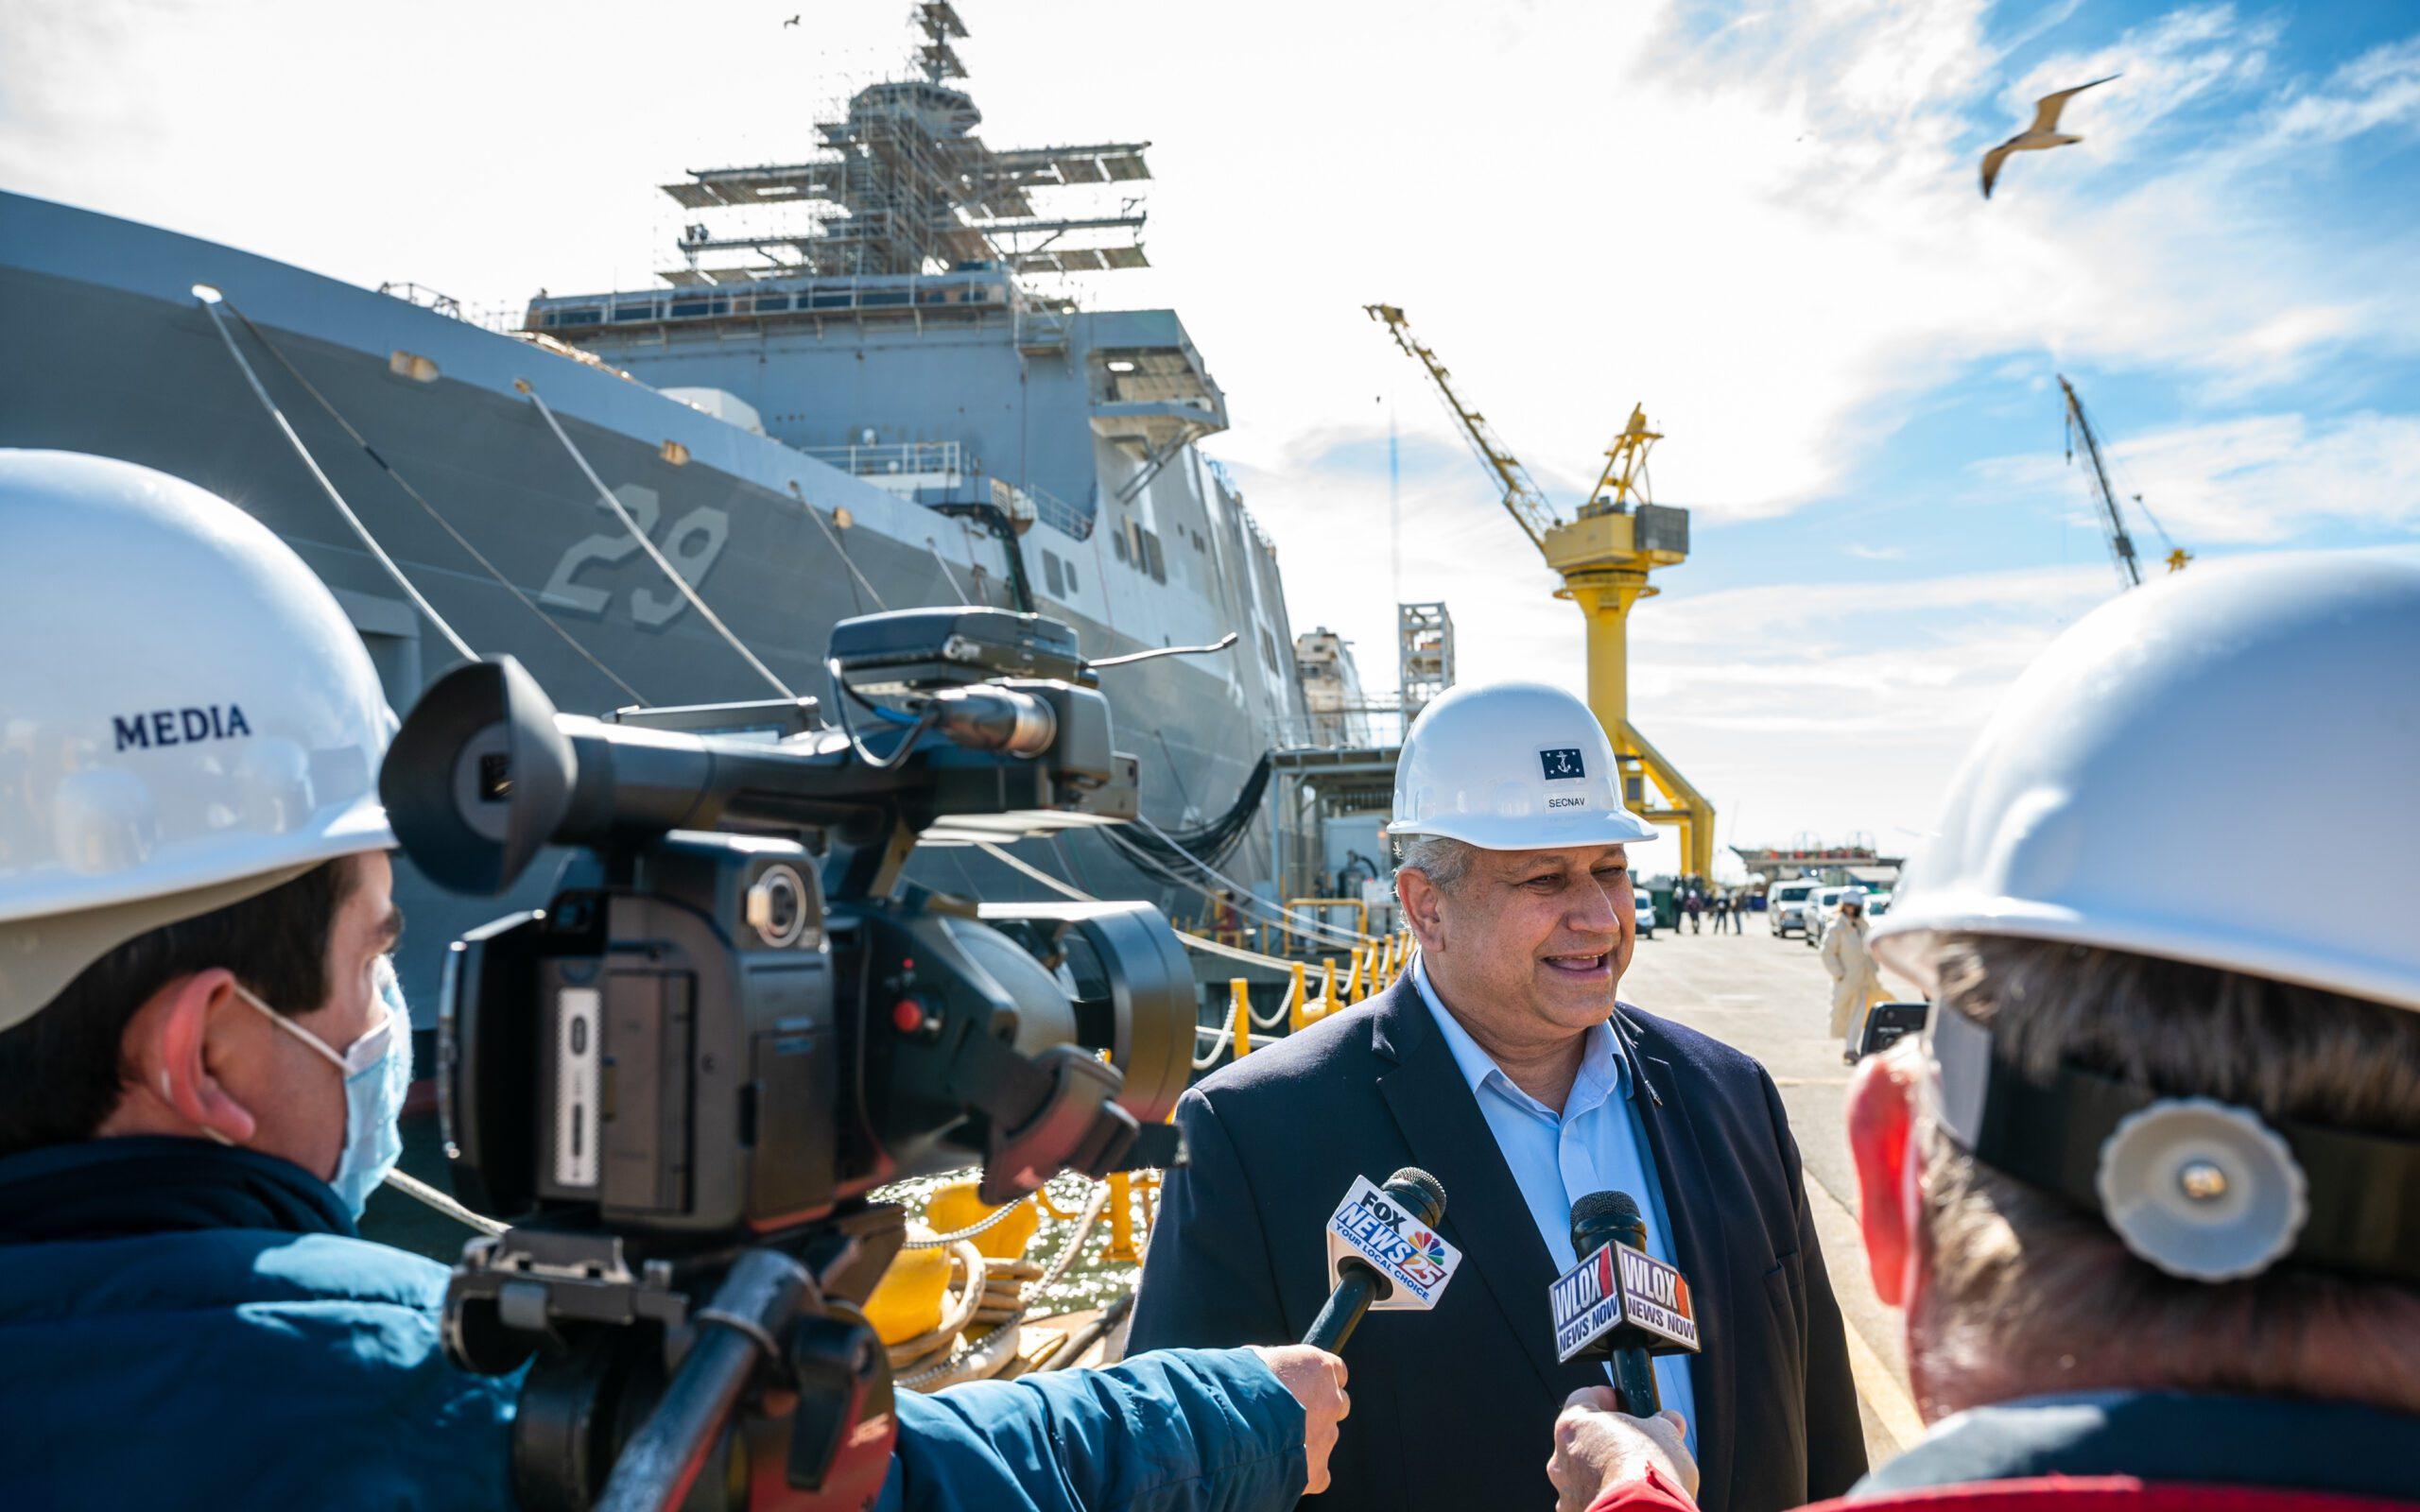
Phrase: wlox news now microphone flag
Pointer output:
(1620, 1298)
(1370, 1225)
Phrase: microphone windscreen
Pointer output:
(1606, 1208)
(1419, 1191)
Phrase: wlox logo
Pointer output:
(1615, 1286)
(1655, 1297)
(1562, 765)
(155, 727)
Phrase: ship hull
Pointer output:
(109, 351)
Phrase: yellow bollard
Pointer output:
(1352, 979)
(956, 1205)
(1241, 1005)
(906, 1302)
(1295, 1019)
(1121, 1220)
(1327, 994)
(1387, 970)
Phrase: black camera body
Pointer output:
(735, 1019)
(686, 1062)
(716, 1051)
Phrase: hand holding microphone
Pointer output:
(1385, 1250)
(1316, 1380)
(1620, 1303)
(1597, 1446)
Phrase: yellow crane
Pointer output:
(1603, 557)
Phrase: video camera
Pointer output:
(685, 1076)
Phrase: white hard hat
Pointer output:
(2218, 769)
(186, 717)
(1511, 766)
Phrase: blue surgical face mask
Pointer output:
(377, 1070)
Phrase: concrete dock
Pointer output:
(1772, 998)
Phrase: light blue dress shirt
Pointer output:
(1596, 1143)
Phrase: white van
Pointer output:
(1786, 905)
(1822, 906)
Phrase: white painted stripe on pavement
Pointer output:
(1894, 1410)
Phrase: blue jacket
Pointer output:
(183, 1325)
(1174, 1430)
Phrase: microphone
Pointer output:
(1414, 1196)
(1602, 1218)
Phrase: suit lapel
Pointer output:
(1689, 1197)
(1449, 1138)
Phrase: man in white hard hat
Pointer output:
(1504, 1063)
(2149, 1189)
(204, 1051)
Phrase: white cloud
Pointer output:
(2379, 88)
(2250, 480)
(1772, 234)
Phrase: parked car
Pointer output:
(1823, 906)
(1645, 916)
(1785, 906)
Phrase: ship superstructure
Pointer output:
(863, 407)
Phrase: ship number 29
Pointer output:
(692, 545)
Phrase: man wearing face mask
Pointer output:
(204, 1051)
(202, 1046)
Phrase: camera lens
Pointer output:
(777, 907)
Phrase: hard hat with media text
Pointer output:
(186, 716)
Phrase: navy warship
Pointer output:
(851, 394)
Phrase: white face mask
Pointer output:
(377, 1070)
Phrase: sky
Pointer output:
(1762, 222)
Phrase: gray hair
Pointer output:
(2030, 1295)
(1444, 861)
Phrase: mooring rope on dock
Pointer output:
(1068, 1251)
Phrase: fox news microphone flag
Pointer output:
(1384, 1253)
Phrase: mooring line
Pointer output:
(428, 508)
(649, 546)
(211, 300)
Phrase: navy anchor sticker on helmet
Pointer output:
(1563, 763)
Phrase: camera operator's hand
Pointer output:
(1316, 1380)
(1598, 1447)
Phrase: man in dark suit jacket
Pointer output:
(1454, 1409)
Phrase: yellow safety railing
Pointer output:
(1360, 912)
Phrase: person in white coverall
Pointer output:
(1855, 983)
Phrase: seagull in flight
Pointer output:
(792, 22)
(2044, 133)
